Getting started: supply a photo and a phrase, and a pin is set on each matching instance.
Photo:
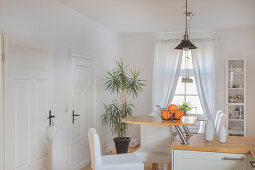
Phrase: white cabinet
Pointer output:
(196, 160)
(236, 96)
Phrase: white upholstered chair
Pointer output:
(155, 145)
(217, 117)
(216, 120)
(221, 122)
(110, 162)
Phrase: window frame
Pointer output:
(191, 74)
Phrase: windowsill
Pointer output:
(201, 117)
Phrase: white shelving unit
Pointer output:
(236, 96)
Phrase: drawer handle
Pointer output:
(232, 159)
(252, 164)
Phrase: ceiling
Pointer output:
(132, 16)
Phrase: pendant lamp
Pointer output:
(185, 43)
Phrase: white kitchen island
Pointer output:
(236, 154)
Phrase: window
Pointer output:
(187, 92)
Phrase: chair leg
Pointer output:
(154, 166)
(169, 166)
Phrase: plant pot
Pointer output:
(121, 144)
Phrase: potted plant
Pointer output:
(125, 85)
(185, 107)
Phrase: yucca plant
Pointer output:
(124, 84)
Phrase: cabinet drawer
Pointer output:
(196, 160)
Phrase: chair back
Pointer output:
(221, 122)
(156, 135)
(217, 117)
(95, 149)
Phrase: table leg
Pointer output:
(186, 129)
(181, 135)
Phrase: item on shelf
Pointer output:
(223, 135)
(209, 131)
(240, 99)
(237, 113)
(236, 70)
(234, 115)
(237, 110)
(235, 99)
(231, 99)
(230, 69)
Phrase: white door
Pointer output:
(81, 113)
(27, 107)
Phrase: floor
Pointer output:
(147, 166)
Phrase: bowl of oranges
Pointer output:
(171, 113)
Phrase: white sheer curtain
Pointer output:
(204, 69)
(167, 64)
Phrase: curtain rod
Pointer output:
(192, 39)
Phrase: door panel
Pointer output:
(82, 91)
(22, 122)
(28, 98)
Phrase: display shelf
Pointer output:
(241, 120)
(237, 73)
(236, 132)
(236, 88)
(236, 104)
(236, 96)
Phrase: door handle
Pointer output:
(232, 159)
(50, 117)
(74, 115)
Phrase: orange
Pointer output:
(178, 114)
(165, 114)
(172, 108)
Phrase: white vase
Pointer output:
(223, 135)
(209, 131)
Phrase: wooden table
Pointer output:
(157, 120)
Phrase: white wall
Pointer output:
(138, 51)
(240, 43)
(52, 22)
(230, 43)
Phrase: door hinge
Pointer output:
(3, 57)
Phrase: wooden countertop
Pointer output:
(156, 120)
(238, 145)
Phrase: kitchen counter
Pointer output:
(235, 145)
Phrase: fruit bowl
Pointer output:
(170, 113)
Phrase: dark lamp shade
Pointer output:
(186, 44)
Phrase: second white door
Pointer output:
(82, 108)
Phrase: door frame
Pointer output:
(88, 56)
(2, 99)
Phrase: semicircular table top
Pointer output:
(157, 120)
